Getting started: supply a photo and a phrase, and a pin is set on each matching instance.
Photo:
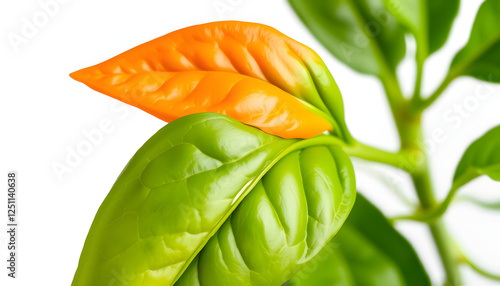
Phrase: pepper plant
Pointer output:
(251, 183)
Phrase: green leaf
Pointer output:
(480, 58)
(441, 14)
(208, 192)
(481, 158)
(429, 21)
(360, 33)
(281, 225)
(366, 251)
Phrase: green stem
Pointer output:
(373, 154)
(436, 94)
(413, 139)
(488, 205)
(479, 270)
(393, 92)
(448, 253)
(434, 213)
(418, 83)
(408, 123)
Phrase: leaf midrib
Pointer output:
(318, 140)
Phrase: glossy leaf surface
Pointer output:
(170, 95)
(366, 251)
(177, 69)
(360, 33)
(282, 224)
(480, 57)
(481, 158)
(186, 182)
(430, 21)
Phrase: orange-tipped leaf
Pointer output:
(170, 95)
(252, 64)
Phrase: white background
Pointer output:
(44, 114)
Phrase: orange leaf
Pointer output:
(170, 95)
(225, 67)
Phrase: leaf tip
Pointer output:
(84, 75)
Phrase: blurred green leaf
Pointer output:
(480, 57)
(366, 251)
(429, 21)
(360, 33)
(481, 158)
(440, 19)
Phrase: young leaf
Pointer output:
(366, 251)
(429, 21)
(361, 33)
(177, 69)
(480, 58)
(180, 191)
(481, 158)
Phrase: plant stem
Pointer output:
(407, 115)
(434, 213)
(479, 269)
(412, 139)
(431, 99)
(418, 82)
(444, 245)
(431, 214)
(448, 253)
(373, 154)
(495, 205)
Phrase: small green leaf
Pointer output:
(366, 251)
(207, 185)
(429, 21)
(480, 58)
(360, 33)
(481, 158)
(441, 14)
